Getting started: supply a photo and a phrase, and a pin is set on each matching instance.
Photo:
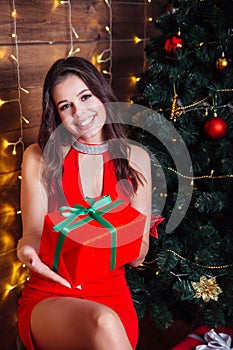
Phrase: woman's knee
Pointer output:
(106, 319)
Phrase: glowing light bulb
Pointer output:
(24, 90)
(136, 39)
(2, 102)
(75, 33)
(14, 58)
(25, 119)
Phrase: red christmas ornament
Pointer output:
(215, 127)
(172, 44)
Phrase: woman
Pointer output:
(80, 132)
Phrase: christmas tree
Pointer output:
(188, 272)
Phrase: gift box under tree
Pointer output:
(92, 240)
(207, 338)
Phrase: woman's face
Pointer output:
(81, 112)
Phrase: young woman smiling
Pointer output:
(82, 151)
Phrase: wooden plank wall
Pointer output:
(43, 35)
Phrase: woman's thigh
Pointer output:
(70, 323)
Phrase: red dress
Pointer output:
(112, 290)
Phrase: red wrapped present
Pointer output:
(92, 240)
(207, 338)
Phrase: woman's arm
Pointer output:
(140, 160)
(34, 206)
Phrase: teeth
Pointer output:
(86, 122)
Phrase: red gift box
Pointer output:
(204, 335)
(91, 241)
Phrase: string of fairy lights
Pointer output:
(106, 55)
(20, 89)
(105, 58)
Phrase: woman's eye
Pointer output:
(64, 107)
(85, 97)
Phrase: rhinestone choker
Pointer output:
(90, 149)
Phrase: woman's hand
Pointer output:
(29, 256)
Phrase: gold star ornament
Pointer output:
(207, 289)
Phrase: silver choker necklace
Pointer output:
(90, 149)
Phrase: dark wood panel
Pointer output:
(35, 60)
(128, 59)
(124, 88)
(31, 109)
(49, 20)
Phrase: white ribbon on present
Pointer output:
(220, 341)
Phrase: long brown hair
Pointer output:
(51, 138)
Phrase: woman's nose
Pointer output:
(76, 110)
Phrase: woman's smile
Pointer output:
(86, 122)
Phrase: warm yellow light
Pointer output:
(56, 3)
(134, 79)
(106, 72)
(14, 58)
(5, 144)
(136, 39)
(25, 119)
(75, 33)
(2, 102)
(24, 90)
(77, 50)
(3, 52)
(98, 59)
(107, 29)
(150, 19)
(13, 14)
(7, 240)
(149, 1)
(13, 35)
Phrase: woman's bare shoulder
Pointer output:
(139, 156)
(32, 155)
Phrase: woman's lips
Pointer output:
(85, 123)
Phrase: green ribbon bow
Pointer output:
(93, 213)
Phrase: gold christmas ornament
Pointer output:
(221, 62)
(207, 289)
(174, 107)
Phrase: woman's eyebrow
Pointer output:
(80, 93)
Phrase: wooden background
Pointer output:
(43, 35)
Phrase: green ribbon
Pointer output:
(93, 213)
